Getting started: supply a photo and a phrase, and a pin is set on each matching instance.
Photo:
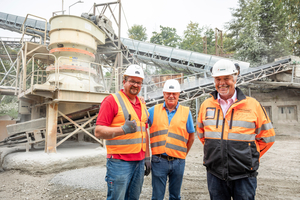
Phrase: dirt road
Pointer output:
(279, 178)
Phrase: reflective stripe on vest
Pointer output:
(236, 127)
(264, 127)
(200, 135)
(133, 142)
(267, 139)
(175, 147)
(157, 133)
(125, 142)
(200, 125)
(243, 124)
(157, 144)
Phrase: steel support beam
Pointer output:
(51, 127)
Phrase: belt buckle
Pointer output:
(169, 158)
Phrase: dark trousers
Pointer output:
(241, 189)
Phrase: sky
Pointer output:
(149, 13)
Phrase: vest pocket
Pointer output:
(212, 155)
(241, 158)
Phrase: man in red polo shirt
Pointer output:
(122, 122)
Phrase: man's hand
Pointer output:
(142, 99)
(148, 166)
(129, 126)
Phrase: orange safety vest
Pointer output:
(133, 142)
(170, 139)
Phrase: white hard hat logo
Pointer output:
(134, 70)
(171, 85)
(223, 68)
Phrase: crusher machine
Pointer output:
(60, 84)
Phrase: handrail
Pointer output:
(21, 41)
(32, 68)
(43, 31)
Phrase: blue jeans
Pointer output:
(241, 189)
(161, 170)
(124, 179)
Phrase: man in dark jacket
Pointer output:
(235, 131)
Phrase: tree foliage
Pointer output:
(262, 30)
(166, 37)
(244, 30)
(292, 7)
(137, 32)
(192, 38)
(272, 23)
(209, 33)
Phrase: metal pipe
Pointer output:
(32, 74)
(293, 73)
(102, 4)
(74, 4)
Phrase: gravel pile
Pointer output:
(92, 178)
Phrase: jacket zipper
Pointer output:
(221, 144)
(222, 152)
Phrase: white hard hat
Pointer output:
(134, 70)
(223, 68)
(171, 85)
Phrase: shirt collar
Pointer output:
(167, 108)
(233, 97)
(137, 100)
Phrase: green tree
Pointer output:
(262, 30)
(137, 32)
(244, 30)
(292, 7)
(228, 44)
(166, 37)
(272, 29)
(210, 39)
(192, 38)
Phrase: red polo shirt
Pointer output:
(108, 111)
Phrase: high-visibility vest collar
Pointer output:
(133, 142)
(171, 139)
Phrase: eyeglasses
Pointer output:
(132, 82)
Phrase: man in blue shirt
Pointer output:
(171, 136)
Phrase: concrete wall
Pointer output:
(283, 108)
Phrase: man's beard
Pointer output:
(133, 90)
(222, 92)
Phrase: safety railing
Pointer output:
(36, 74)
(155, 88)
(24, 29)
(90, 72)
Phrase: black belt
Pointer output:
(169, 158)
